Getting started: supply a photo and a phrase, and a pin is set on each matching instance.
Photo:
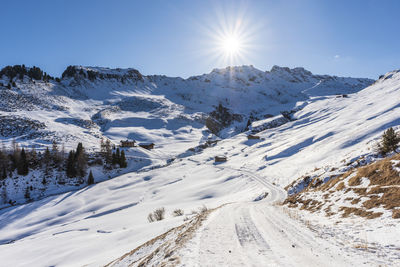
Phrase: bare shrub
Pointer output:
(177, 212)
(150, 217)
(157, 215)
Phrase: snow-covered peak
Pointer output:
(101, 73)
(248, 69)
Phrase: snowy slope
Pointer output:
(90, 102)
(110, 218)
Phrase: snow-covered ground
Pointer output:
(100, 223)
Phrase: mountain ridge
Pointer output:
(109, 98)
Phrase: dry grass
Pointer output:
(383, 190)
(379, 173)
(306, 204)
(169, 245)
(389, 200)
(396, 214)
(347, 211)
(340, 186)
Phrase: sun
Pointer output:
(229, 36)
(231, 45)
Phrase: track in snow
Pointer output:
(260, 234)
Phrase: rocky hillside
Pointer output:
(89, 102)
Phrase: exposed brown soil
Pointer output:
(383, 190)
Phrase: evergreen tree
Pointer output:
(90, 178)
(33, 158)
(27, 194)
(3, 163)
(79, 149)
(47, 160)
(390, 142)
(122, 161)
(15, 156)
(4, 173)
(70, 168)
(22, 168)
(116, 157)
(55, 154)
(108, 150)
(80, 160)
(102, 147)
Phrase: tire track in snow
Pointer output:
(260, 234)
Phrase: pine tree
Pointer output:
(55, 154)
(90, 178)
(4, 173)
(15, 156)
(47, 160)
(80, 160)
(102, 147)
(108, 151)
(390, 142)
(3, 163)
(22, 168)
(27, 194)
(70, 168)
(122, 161)
(116, 157)
(32, 158)
(79, 149)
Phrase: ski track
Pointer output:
(261, 234)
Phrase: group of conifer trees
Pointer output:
(112, 156)
(23, 160)
(75, 163)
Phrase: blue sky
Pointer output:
(178, 38)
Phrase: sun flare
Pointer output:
(230, 37)
(231, 45)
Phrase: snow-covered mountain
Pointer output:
(89, 102)
(330, 123)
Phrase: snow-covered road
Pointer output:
(260, 233)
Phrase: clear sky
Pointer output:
(182, 38)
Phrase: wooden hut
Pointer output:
(251, 136)
(127, 143)
(147, 146)
(220, 158)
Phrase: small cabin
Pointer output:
(220, 158)
(251, 136)
(127, 143)
(147, 146)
